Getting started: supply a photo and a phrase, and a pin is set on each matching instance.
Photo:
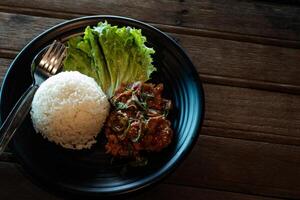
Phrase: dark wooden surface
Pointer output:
(248, 55)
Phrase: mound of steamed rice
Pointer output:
(70, 110)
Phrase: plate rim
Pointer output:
(170, 165)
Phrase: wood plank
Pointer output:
(248, 135)
(167, 28)
(245, 17)
(247, 83)
(169, 191)
(243, 60)
(252, 110)
(242, 166)
(4, 64)
(17, 30)
(15, 186)
(243, 64)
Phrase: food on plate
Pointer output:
(138, 121)
(111, 55)
(70, 109)
(112, 63)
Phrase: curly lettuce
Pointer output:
(111, 55)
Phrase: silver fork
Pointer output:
(49, 64)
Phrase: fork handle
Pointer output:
(16, 117)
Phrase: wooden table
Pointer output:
(247, 54)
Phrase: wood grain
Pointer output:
(170, 191)
(243, 60)
(244, 17)
(15, 186)
(4, 64)
(242, 166)
(167, 28)
(247, 83)
(17, 30)
(241, 63)
(252, 110)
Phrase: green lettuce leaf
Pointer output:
(78, 60)
(110, 55)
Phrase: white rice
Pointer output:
(70, 110)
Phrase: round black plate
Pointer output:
(91, 172)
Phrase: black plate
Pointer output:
(91, 172)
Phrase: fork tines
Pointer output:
(52, 59)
